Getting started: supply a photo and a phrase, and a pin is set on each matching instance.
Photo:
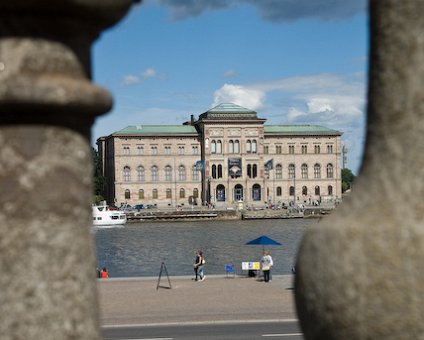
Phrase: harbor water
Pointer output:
(139, 249)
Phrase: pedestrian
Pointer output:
(198, 266)
(266, 263)
(104, 274)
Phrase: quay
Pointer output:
(137, 301)
(231, 214)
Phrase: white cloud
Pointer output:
(130, 80)
(240, 95)
(230, 74)
(149, 73)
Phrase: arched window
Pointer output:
(155, 193)
(291, 171)
(317, 171)
(330, 190)
(249, 170)
(219, 171)
(213, 146)
(238, 192)
(254, 146)
(291, 191)
(127, 174)
(218, 147)
(220, 193)
(168, 193)
(248, 146)
(278, 171)
(195, 173)
(256, 192)
(329, 170)
(304, 170)
(279, 191)
(236, 146)
(141, 194)
(317, 190)
(140, 174)
(254, 171)
(230, 146)
(195, 193)
(155, 173)
(168, 173)
(127, 194)
(182, 193)
(304, 190)
(213, 171)
(181, 173)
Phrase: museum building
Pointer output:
(226, 156)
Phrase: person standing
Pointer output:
(104, 274)
(198, 266)
(266, 263)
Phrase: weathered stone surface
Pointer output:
(47, 105)
(360, 272)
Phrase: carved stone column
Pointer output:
(360, 273)
(47, 106)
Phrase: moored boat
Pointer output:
(104, 215)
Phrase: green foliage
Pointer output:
(347, 179)
(99, 180)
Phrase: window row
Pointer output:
(304, 171)
(233, 146)
(154, 173)
(155, 193)
(153, 150)
(303, 148)
(317, 191)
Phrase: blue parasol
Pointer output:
(264, 241)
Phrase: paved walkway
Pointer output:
(136, 301)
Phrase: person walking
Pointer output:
(266, 264)
(198, 266)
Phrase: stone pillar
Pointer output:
(47, 106)
(360, 272)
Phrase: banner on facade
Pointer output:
(234, 167)
(200, 165)
(269, 165)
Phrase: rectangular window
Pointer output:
(154, 150)
(194, 149)
(317, 149)
(140, 150)
(155, 193)
(329, 148)
(304, 149)
(291, 149)
(126, 150)
(266, 149)
(168, 150)
(168, 193)
(181, 150)
(278, 149)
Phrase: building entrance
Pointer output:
(238, 193)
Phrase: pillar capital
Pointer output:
(45, 60)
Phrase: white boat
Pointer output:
(104, 215)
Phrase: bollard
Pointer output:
(47, 106)
(360, 272)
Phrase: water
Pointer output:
(139, 249)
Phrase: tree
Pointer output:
(99, 179)
(347, 179)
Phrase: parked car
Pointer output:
(138, 207)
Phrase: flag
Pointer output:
(270, 164)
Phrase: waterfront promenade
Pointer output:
(136, 301)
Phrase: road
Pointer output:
(289, 330)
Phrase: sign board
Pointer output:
(250, 265)
(234, 167)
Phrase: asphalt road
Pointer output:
(288, 330)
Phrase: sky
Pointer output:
(292, 61)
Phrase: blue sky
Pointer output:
(293, 61)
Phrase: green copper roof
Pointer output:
(230, 108)
(299, 129)
(157, 130)
(229, 111)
